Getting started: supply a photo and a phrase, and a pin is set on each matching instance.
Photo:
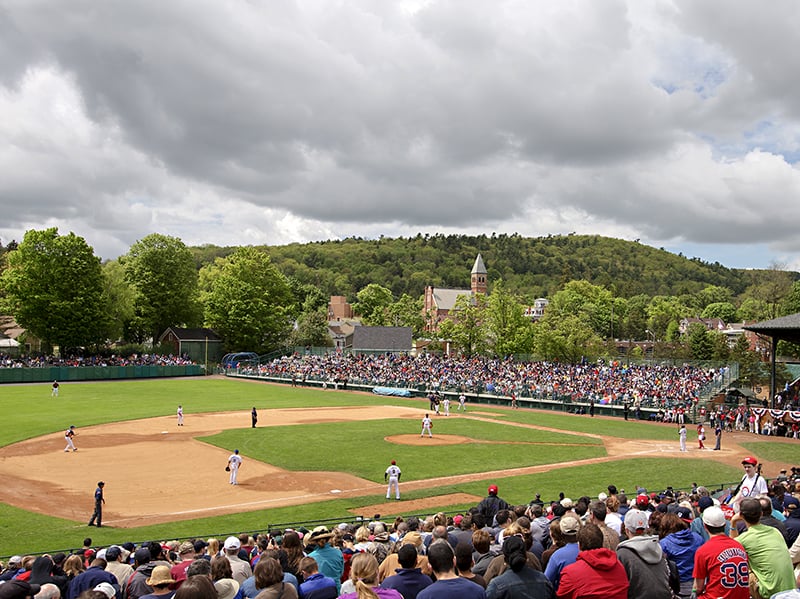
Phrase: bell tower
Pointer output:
(478, 280)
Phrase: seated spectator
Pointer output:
(222, 575)
(391, 563)
(197, 587)
(518, 580)
(408, 579)
(315, 585)
(448, 584)
(679, 544)
(42, 573)
(596, 571)
(161, 580)
(567, 554)
(269, 580)
(464, 565)
(643, 559)
(364, 575)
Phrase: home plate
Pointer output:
(336, 491)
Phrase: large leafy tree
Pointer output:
(567, 339)
(372, 303)
(163, 275)
(118, 296)
(248, 301)
(592, 302)
(54, 287)
(510, 331)
(407, 312)
(465, 325)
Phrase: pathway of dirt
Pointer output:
(158, 472)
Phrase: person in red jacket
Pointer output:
(596, 573)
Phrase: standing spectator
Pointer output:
(643, 559)
(519, 581)
(491, 504)
(596, 572)
(752, 483)
(720, 564)
(448, 584)
(770, 565)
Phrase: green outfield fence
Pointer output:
(95, 373)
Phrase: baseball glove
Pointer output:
(227, 468)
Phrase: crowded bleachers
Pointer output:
(549, 537)
(614, 383)
(8, 361)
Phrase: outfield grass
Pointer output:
(29, 411)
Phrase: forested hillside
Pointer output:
(530, 267)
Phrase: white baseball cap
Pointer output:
(232, 543)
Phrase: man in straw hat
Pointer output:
(160, 579)
(329, 559)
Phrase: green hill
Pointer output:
(533, 267)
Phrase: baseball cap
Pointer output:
(232, 543)
(713, 516)
(684, 513)
(199, 545)
(642, 500)
(18, 589)
(142, 555)
(567, 503)
(750, 460)
(457, 520)
(113, 553)
(394, 463)
(790, 502)
(492, 489)
(704, 503)
(186, 547)
(602, 497)
(635, 520)
(569, 525)
(106, 588)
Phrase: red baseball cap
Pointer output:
(492, 489)
(750, 460)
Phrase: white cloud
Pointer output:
(230, 123)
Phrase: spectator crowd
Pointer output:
(653, 545)
(612, 383)
(8, 361)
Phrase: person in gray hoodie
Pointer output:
(643, 559)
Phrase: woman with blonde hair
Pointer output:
(364, 576)
(213, 547)
(73, 566)
(362, 539)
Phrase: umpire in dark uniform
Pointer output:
(98, 505)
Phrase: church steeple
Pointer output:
(479, 282)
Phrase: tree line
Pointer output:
(263, 298)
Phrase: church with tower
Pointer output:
(438, 301)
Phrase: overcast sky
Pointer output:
(236, 122)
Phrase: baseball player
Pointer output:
(462, 399)
(234, 462)
(446, 405)
(54, 392)
(68, 435)
(426, 426)
(392, 476)
(180, 415)
(682, 435)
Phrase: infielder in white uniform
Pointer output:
(462, 402)
(234, 462)
(426, 426)
(68, 434)
(180, 415)
(682, 434)
(392, 476)
(446, 404)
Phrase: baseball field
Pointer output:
(315, 456)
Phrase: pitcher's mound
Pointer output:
(435, 440)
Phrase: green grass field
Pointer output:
(357, 447)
